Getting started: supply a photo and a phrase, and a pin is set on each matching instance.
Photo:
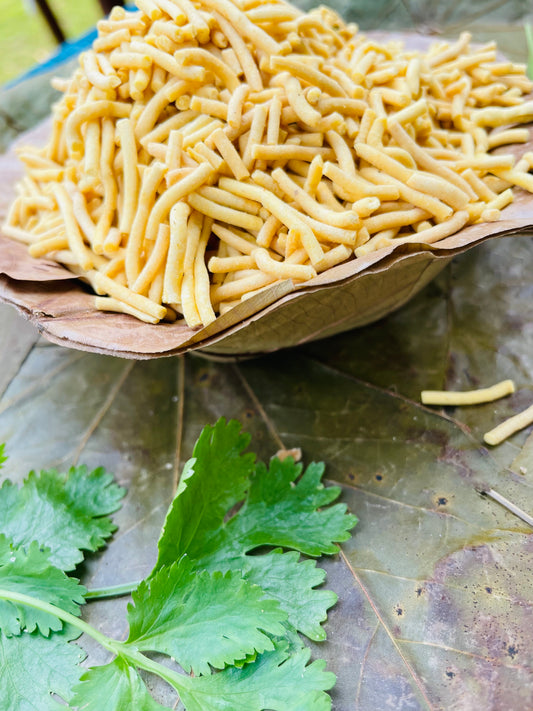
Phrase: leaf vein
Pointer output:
(412, 673)
(103, 409)
(257, 404)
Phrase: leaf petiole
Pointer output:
(111, 591)
(125, 651)
(529, 41)
(37, 604)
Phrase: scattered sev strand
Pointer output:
(499, 433)
(206, 149)
(509, 427)
(470, 397)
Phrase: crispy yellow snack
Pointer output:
(509, 427)
(468, 397)
(206, 149)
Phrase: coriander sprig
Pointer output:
(225, 600)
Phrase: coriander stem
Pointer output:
(37, 604)
(127, 652)
(176, 680)
(112, 591)
(529, 41)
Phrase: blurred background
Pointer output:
(26, 38)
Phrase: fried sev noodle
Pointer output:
(206, 149)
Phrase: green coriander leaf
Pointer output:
(292, 584)
(277, 512)
(277, 681)
(3, 457)
(286, 579)
(248, 659)
(114, 687)
(213, 481)
(65, 512)
(30, 572)
(283, 513)
(34, 667)
(93, 493)
(202, 618)
(280, 512)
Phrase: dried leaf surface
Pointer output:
(435, 589)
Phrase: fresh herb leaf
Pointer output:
(119, 684)
(30, 572)
(223, 606)
(202, 618)
(34, 667)
(277, 511)
(3, 457)
(277, 680)
(282, 508)
(215, 479)
(292, 584)
(67, 513)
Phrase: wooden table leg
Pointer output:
(108, 4)
(54, 25)
(50, 18)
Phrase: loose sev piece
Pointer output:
(469, 397)
(205, 149)
(474, 397)
(509, 427)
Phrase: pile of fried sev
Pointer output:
(206, 149)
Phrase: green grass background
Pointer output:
(25, 37)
